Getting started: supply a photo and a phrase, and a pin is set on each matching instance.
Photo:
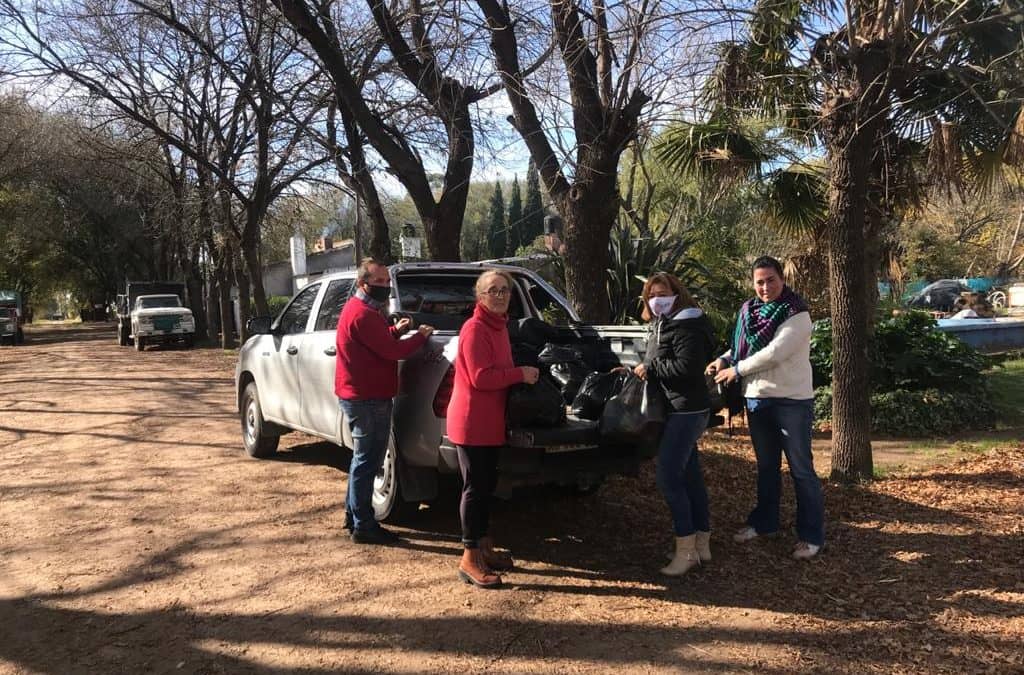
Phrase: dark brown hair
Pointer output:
(683, 297)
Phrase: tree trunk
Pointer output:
(589, 211)
(242, 281)
(253, 265)
(851, 125)
(196, 299)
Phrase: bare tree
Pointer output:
(425, 71)
(580, 112)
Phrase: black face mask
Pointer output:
(379, 293)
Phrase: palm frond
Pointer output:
(715, 150)
(796, 200)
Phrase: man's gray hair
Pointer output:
(365, 270)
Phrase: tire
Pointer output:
(190, 342)
(388, 502)
(254, 437)
(140, 343)
(997, 299)
(19, 338)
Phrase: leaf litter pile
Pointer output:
(922, 571)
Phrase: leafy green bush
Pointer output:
(923, 412)
(277, 303)
(923, 381)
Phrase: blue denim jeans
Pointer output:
(370, 423)
(782, 425)
(679, 475)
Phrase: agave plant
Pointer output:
(632, 257)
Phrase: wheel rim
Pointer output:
(384, 485)
(251, 416)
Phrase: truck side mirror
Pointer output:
(259, 325)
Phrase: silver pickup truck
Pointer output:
(285, 381)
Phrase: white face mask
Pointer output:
(663, 305)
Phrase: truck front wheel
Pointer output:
(254, 436)
(388, 502)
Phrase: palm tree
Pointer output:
(871, 86)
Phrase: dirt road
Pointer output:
(135, 536)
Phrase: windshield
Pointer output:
(445, 301)
(157, 301)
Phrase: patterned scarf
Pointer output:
(759, 320)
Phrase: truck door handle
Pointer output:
(293, 350)
(331, 351)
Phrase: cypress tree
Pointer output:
(497, 230)
(515, 218)
(533, 210)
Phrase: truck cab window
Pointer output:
(296, 315)
(550, 309)
(445, 301)
(338, 292)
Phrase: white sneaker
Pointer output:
(805, 551)
(746, 534)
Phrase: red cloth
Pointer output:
(368, 353)
(483, 373)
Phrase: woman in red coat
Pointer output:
(476, 421)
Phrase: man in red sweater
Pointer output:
(366, 381)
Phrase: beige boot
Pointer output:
(686, 557)
(704, 546)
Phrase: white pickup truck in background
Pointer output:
(161, 319)
(285, 381)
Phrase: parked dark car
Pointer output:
(939, 296)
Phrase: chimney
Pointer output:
(298, 251)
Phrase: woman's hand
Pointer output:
(530, 374)
(640, 371)
(728, 376)
(715, 366)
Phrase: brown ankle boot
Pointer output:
(473, 570)
(496, 560)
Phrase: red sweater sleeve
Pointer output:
(479, 357)
(373, 332)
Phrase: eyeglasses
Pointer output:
(498, 292)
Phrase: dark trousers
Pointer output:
(478, 465)
(679, 476)
(783, 426)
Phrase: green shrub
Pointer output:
(923, 381)
(907, 353)
(277, 304)
(915, 413)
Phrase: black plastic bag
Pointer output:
(552, 354)
(525, 354)
(569, 377)
(534, 405)
(595, 391)
(636, 415)
(728, 396)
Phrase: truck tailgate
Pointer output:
(574, 433)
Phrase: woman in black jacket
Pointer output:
(681, 342)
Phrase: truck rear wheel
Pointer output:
(388, 503)
(254, 435)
